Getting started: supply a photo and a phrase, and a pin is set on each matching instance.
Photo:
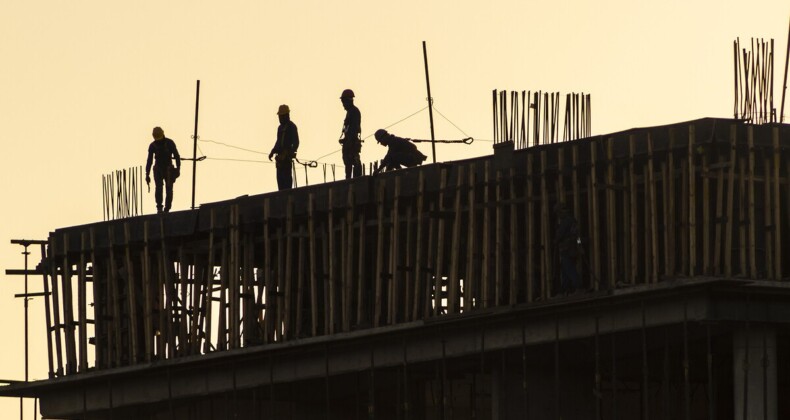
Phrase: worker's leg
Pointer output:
(169, 193)
(348, 161)
(357, 166)
(284, 176)
(158, 181)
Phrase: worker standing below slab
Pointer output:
(351, 140)
(401, 152)
(161, 153)
(285, 148)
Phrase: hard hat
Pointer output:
(158, 133)
(347, 94)
(283, 110)
(380, 134)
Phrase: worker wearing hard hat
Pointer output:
(161, 153)
(350, 139)
(285, 148)
(400, 152)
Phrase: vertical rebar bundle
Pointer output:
(532, 118)
(754, 81)
(122, 193)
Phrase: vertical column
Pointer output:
(777, 198)
(68, 310)
(653, 204)
(728, 231)
(148, 325)
(611, 213)
(312, 243)
(545, 229)
(755, 373)
(470, 292)
(530, 226)
(692, 203)
(454, 279)
(633, 217)
(379, 253)
(752, 219)
(55, 304)
(82, 310)
(419, 269)
(394, 277)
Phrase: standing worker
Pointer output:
(161, 152)
(567, 241)
(285, 148)
(400, 152)
(351, 141)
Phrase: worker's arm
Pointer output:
(148, 164)
(176, 155)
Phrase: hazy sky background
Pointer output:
(83, 83)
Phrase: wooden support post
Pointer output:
(288, 294)
(611, 214)
(167, 267)
(671, 268)
(233, 282)
(653, 204)
(470, 291)
(752, 219)
(208, 301)
(439, 272)
(222, 324)
(547, 253)
(148, 325)
(312, 244)
(298, 329)
(633, 216)
(394, 277)
(99, 309)
(419, 261)
(499, 240)
(692, 202)
(56, 304)
(454, 279)
(743, 205)
(409, 272)
(68, 310)
(486, 263)
(719, 217)
(427, 300)
(332, 251)
(577, 198)
(269, 292)
(363, 275)
(648, 240)
(768, 220)
(684, 218)
(279, 287)
(183, 268)
(595, 229)
(777, 198)
(706, 222)
(348, 248)
(131, 295)
(377, 302)
(514, 238)
(114, 300)
(161, 332)
(728, 231)
(82, 307)
(530, 226)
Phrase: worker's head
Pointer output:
(347, 97)
(284, 113)
(158, 133)
(382, 136)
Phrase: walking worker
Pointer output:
(285, 148)
(351, 141)
(161, 153)
(567, 241)
(401, 152)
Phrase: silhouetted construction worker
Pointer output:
(400, 152)
(567, 241)
(351, 141)
(161, 152)
(285, 148)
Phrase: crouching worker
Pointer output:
(285, 148)
(401, 152)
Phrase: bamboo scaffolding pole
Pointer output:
(671, 227)
(268, 293)
(470, 291)
(114, 300)
(595, 226)
(331, 251)
(56, 306)
(222, 322)
(547, 251)
(719, 218)
(768, 220)
(183, 268)
(706, 222)
(742, 210)
(363, 276)
(409, 272)
(298, 329)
